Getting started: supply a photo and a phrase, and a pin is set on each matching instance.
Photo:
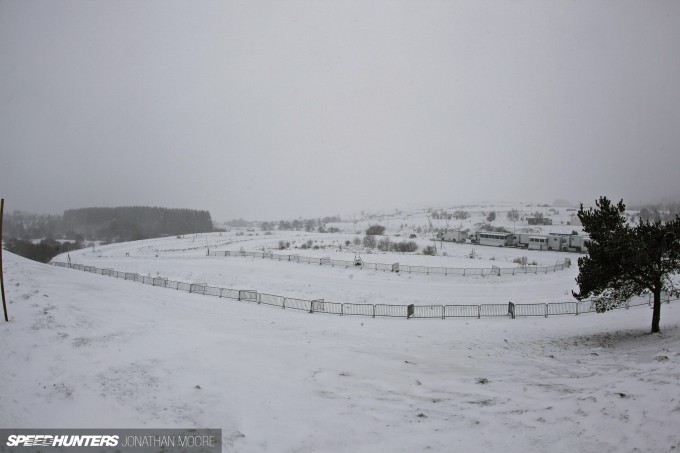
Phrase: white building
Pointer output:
(493, 238)
(452, 235)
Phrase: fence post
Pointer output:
(443, 312)
(511, 310)
(409, 311)
(479, 311)
(546, 310)
(374, 310)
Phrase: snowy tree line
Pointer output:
(107, 224)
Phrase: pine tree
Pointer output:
(625, 261)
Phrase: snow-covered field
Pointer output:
(184, 259)
(83, 350)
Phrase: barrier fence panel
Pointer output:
(454, 271)
(229, 293)
(639, 301)
(585, 306)
(183, 286)
(130, 276)
(562, 308)
(493, 310)
(247, 295)
(461, 311)
(159, 281)
(473, 271)
(531, 310)
(391, 311)
(358, 309)
(298, 304)
(213, 291)
(148, 280)
(270, 299)
(418, 270)
(428, 311)
(437, 270)
(197, 288)
(327, 307)
(317, 305)
(171, 284)
(506, 271)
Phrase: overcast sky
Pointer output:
(270, 110)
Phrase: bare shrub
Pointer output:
(430, 250)
(369, 242)
(375, 230)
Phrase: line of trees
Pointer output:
(309, 225)
(107, 224)
(42, 251)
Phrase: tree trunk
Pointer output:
(656, 313)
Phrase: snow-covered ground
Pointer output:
(184, 259)
(83, 350)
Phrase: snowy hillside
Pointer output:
(84, 350)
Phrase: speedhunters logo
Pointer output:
(110, 440)
(37, 440)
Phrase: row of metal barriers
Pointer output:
(510, 309)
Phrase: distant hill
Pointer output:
(107, 224)
(134, 223)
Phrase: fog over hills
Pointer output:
(269, 111)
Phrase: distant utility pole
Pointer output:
(2, 278)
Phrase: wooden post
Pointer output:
(2, 278)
